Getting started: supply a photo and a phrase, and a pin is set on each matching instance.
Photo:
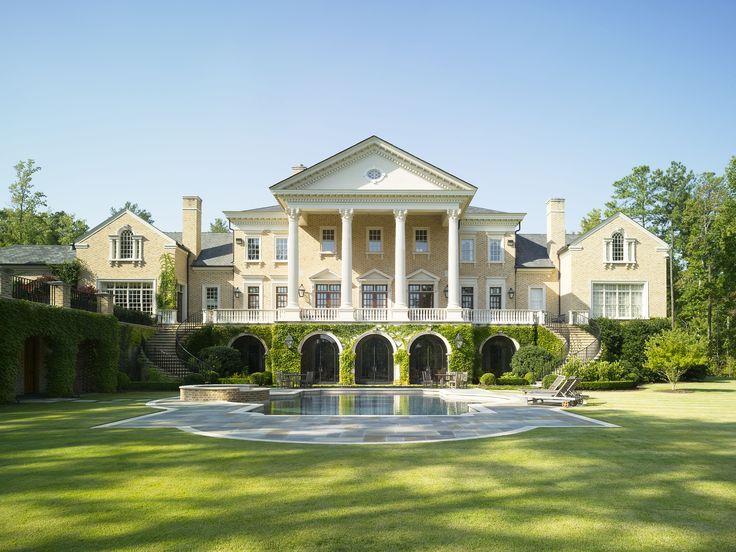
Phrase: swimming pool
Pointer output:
(364, 403)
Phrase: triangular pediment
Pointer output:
(325, 275)
(373, 165)
(422, 275)
(374, 275)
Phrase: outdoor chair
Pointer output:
(559, 381)
(307, 380)
(452, 379)
(427, 378)
(565, 396)
(461, 381)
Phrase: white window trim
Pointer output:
(114, 248)
(368, 241)
(372, 282)
(629, 249)
(154, 286)
(529, 297)
(274, 285)
(470, 282)
(260, 249)
(488, 248)
(246, 285)
(496, 282)
(277, 237)
(414, 237)
(204, 295)
(321, 240)
(435, 289)
(313, 298)
(467, 238)
(644, 296)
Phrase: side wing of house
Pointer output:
(616, 270)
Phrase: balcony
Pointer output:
(424, 315)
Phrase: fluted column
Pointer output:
(400, 311)
(454, 312)
(346, 284)
(291, 312)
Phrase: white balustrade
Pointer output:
(319, 315)
(371, 315)
(242, 316)
(578, 317)
(505, 316)
(167, 316)
(428, 315)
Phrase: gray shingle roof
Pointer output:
(473, 210)
(217, 248)
(36, 254)
(267, 209)
(531, 250)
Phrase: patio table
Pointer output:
(445, 379)
(290, 379)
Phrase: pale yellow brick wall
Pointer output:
(480, 270)
(587, 266)
(536, 277)
(199, 277)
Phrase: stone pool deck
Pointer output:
(495, 415)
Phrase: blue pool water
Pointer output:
(363, 404)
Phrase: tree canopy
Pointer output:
(219, 226)
(134, 208)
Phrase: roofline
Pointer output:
(112, 218)
(600, 225)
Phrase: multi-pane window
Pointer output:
(328, 240)
(617, 247)
(282, 295)
(466, 297)
(494, 297)
(211, 297)
(617, 300)
(282, 249)
(126, 244)
(467, 250)
(253, 249)
(131, 295)
(327, 296)
(421, 240)
(375, 241)
(421, 296)
(254, 297)
(375, 296)
(495, 250)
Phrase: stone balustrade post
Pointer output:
(6, 284)
(61, 294)
(104, 303)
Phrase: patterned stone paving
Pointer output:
(498, 415)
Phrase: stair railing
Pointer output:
(194, 320)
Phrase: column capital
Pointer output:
(400, 214)
(293, 213)
(346, 214)
(453, 214)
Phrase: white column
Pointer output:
(454, 312)
(346, 284)
(400, 311)
(291, 312)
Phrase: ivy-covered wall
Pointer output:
(281, 358)
(63, 331)
(132, 337)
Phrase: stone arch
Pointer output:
(253, 351)
(416, 336)
(358, 339)
(427, 351)
(496, 352)
(320, 355)
(374, 358)
(328, 334)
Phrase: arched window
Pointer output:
(126, 244)
(617, 247)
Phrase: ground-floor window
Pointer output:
(617, 300)
(254, 297)
(375, 296)
(281, 297)
(131, 295)
(466, 297)
(211, 297)
(421, 296)
(328, 296)
(494, 297)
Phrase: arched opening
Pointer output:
(252, 353)
(32, 362)
(84, 375)
(374, 360)
(320, 356)
(427, 352)
(496, 354)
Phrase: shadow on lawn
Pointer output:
(546, 489)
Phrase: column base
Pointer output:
(400, 314)
(290, 314)
(346, 314)
(454, 314)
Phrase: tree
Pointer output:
(134, 208)
(166, 297)
(22, 222)
(634, 195)
(219, 226)
(63, 228)
(591, 220)
(673, 352)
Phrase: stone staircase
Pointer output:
(580, 343)
(161, 351)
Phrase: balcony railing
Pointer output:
(319, 315)
(427, 315)
(504, 316)
(371, 315)
(240, 316)
(29, 289)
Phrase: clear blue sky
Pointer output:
(148, 101)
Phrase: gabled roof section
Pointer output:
(375, 274)
(580, 237)
(311, 176)
(113, 218)
(422, 274)
(217, 248)
(325, 274)
(30, 255)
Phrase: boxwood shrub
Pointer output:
(153, 386)
(226, 361)
(487, 379)
(532, 359)
(507, 378)
(606, 385)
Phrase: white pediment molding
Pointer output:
(422, 275)
(375, 275)
(325, 275)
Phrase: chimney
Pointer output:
(555, 228)
(191, 231)
(297, 169)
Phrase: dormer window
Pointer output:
(126, 246)
(619, 249)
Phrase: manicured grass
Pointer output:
(664, 480)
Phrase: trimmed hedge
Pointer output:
(533, 360)
(133, 316)
(607, 385)
(63, 331)
(511, 380)
(153, 386)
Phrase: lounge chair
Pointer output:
(559, 382)
(565, 395)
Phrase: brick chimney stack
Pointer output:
(555, 228)
(191, 230)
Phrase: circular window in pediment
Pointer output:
(374, 175)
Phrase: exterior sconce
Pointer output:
(237, 293)
(240, 241)
(301, 290)
(289, 340)
(446, 291)
(458, 340)
(511, 293)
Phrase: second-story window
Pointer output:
(375, 241)
(253, 249)
(282, 295)
(467, 250)
(328, 240)
(617, 246)
(282, 248)
(466, 297)
(421, 240)
(495, 250)
(126, 244)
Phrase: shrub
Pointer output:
(696, 373)
(673, 352)
(636, 333)
(132, 316)
(529, 376)
(223, 360)
(210, 376)
(548, 380)
(153, 386)
(238, 378)
(532, 359)
(508, 378)
(606, 385)
(572, 367)
(193, 379)
(153, 373)
(488, 379)
(123, 381)
(261, 378)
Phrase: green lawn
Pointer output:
(665, 480)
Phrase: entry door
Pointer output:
(372, 362)
(536, 298)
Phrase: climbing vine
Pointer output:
(166, 296)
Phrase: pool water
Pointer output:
(364, 404)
